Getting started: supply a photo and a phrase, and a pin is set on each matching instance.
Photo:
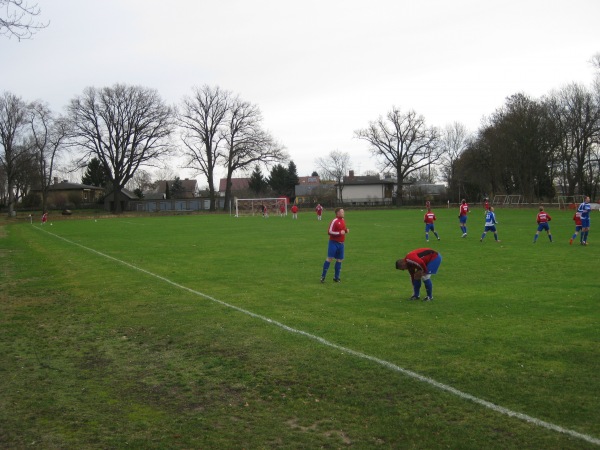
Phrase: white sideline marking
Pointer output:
(389, 365)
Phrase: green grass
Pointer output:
(118, 333)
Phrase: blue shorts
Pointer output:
(585, 223)
(490, 228)
(544, 226)
(434, 265)
(462, 219)
(335, 250)
(578, 228)
(429, 227)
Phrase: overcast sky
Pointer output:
(318, 70)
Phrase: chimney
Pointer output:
(351, 174)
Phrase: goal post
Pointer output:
(569, 201)
(254, 206)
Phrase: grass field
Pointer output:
(208, 331)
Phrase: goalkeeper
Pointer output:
(421, 264)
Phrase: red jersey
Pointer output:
(319, 210)
(464, 209)
(486, 205)
(294, 209)
(543, 217)
(336, 226)
(577, 219)
(45, 218)
(429, 217)
(419, 258)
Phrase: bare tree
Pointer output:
(335, 167)
(246, 143)
(454, 140)
(202, 119)
(576, 113)
(48, 137)
(18, 20)
(125, 127)
(13, 136)
(402, 142)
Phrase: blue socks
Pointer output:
(338, 269)
(325, 268)
(429, 288)
(416, 287)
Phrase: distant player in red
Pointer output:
(462, 217)
(421, 264)
(577, 220)
(337, 235)
(265, 211)
(486, 204)
(44, 218)
(427, 204)
(319, 210)
(542, 219)
(282, 209)
(429, 218)
(294, 212)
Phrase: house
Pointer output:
(366, 190)
(65, 194)
(125, 198)
(190, 189)
(238, 186)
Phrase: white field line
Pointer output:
(381, 362)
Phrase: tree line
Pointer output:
(538, 148)
(127, 127)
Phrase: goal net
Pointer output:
(507, 200)
(570, 201)
(254, 206)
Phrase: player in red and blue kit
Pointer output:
(584, 209)
(429, 218)
(542, 219)
(462, 216)
(337, 235)
(421, 264)
(577, 220)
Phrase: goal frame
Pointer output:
(253, 206)
(567, 201)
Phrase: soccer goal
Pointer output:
(254, 206)
(513, 200)
(570, 201)
(507, 200)
(499, 200)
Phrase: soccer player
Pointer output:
(462, 216)
(421, 264)
(542, 219)
(490, 224)
(294, 212)
(337, 235)
(319, 210)
(429, 219)
(486, 204)
(585, 208)
(281, 209)
(577, 220)
(44, 217)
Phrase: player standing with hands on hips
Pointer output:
(337, 235)
(462, 217)
(542, 219)
(421, 264)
